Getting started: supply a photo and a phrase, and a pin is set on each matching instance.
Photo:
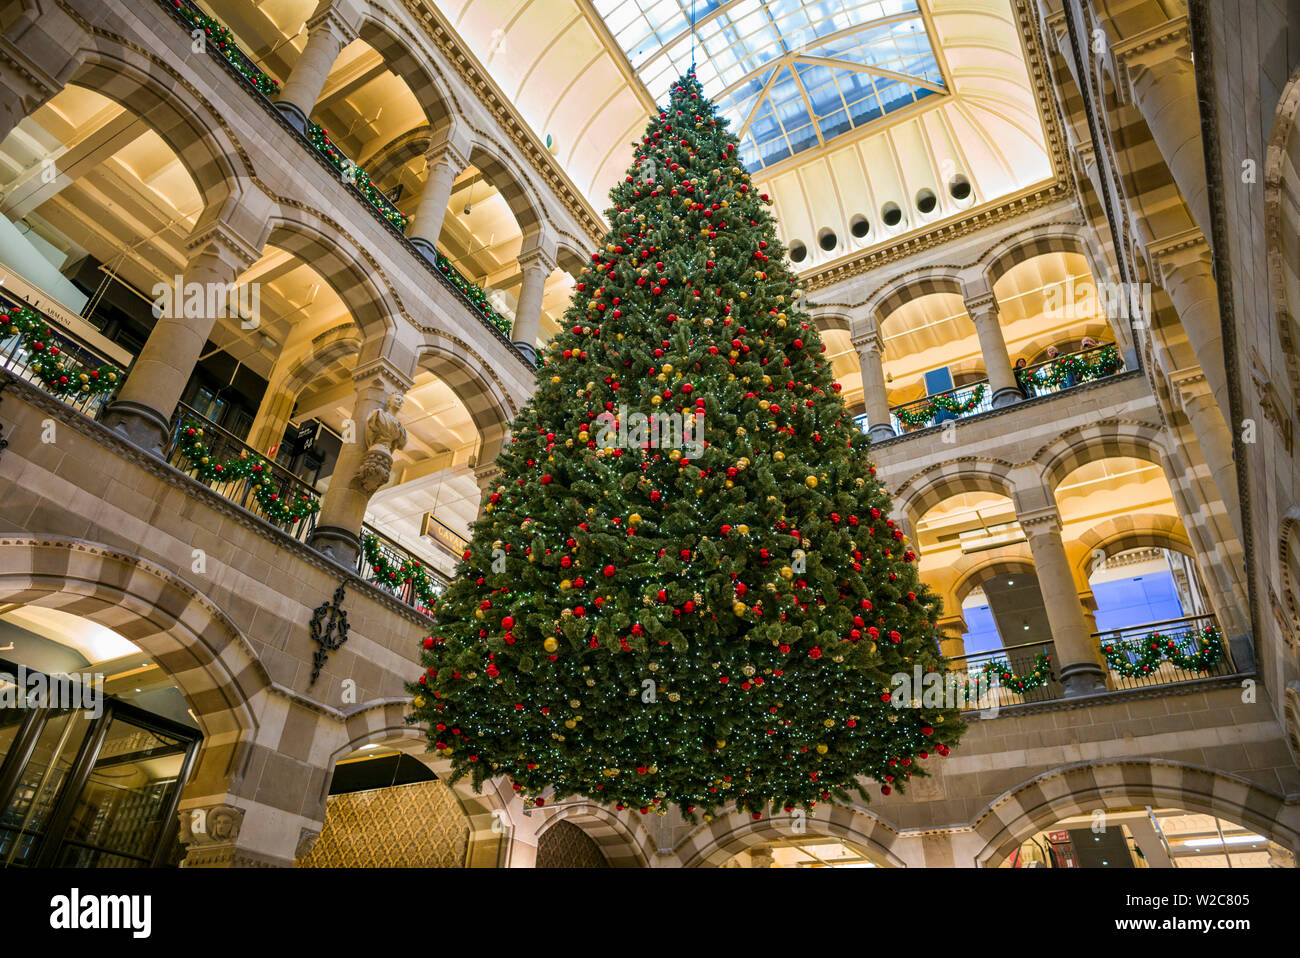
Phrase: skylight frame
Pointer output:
(762, 49)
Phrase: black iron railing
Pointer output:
(1165, 653)
(1014, 675)
(76, 357)
(399, 571)
(959, 403)
(1066, 372)
(236, 482)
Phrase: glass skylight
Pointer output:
(788, 74)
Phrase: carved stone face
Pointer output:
(395, 402)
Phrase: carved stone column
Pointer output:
(1193, 391)
(1078, 657)
(444, 163)
(365, 462)
(1157, 64)
(952, 641)
(142, 410)
(327, 35)
(1002, 378)
(1183, 265)
(871, 357)
(536, 266)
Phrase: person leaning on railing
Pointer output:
(1024, 379)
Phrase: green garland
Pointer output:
(1035, 678)
(359, 177)
(1143, 656)
(46, 358)
(473, 292)
(252, 467)
(1081, 368)
(387, 573)
(946, 402)
(224, 42)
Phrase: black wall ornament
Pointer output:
(329, 630)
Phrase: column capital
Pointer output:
(220, 239)
(333, 20)
(1177, 252)
(982, 304)
(1166, 42)
(442, 151)
(538, 259)
(486, 474)
(1190, 384)
(1040, 522)
(869, 342)
(384, 373)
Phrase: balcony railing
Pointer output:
(959, 403)
(399, 571)
(263, 88)
(975, 399)
(231, 468)
(1165, 653)
(1065, 372)
(33, 356)
(1015, 675)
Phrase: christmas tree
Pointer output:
(685, 587)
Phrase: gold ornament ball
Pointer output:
(550, 644)
(811, 482)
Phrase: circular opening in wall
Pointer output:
(926, 201)
(827, 239)
(959, 187)
(798, 251)
(859, 226)
(891, 214)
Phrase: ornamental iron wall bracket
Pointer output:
(329, 630)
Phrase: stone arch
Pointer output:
(832, 316)
(340, 264)
(396, 153)
(972, 575)
(198, 139)
(190, 639)
(1282, 227)
(329, 348)
(1133, 532)
(513, 185)
(712, 844)
(1084, 787)
(1107, 439)
(570, 257)
(921, 493)
(622, 840)
(489, 408)
(405, 62)
(1040, 241)
(902, 290)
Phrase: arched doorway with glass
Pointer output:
(96, 742)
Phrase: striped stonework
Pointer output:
(925, 490)
(712, 844)
(1133, 531)
(974, 570)
(1086, 787)
(901, 290)
(622, 839)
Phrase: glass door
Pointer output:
(37, 766)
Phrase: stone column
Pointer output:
(1078, 658)
(1212, 434)
(327, 35)
(444, 163)
(871, 357)
(952, 637)
(1162, 85)
(1185, 270)
(272, 417)
(536, 266)
(1002, 378)
(364, 463)
(143, 408)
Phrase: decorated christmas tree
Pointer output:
(685, 587)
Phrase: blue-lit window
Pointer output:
(787, 74)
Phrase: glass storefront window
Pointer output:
(23, 820)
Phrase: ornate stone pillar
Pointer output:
(1078, 658)
(365, 462)
(190, 307)
(1002, 378)
(536, 266)
(444, 163)
(871, 356)
(272, 417)
(327, 35)
(1162, 85)
(1183, 265)
(1203, 412)
(952, 640)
